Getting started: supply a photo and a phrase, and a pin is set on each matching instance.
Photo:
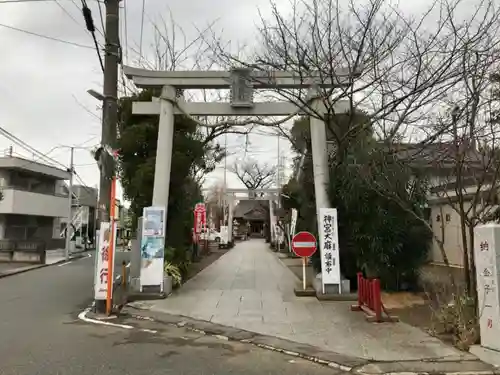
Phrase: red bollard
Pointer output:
(370, 300)
(360, 289)
(377, 300)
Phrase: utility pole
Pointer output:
(109, 121)
(110, 105)
(70, 203)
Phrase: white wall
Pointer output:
(449, 224)
(28, 203)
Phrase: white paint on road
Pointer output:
(71, 261)
(148, 330)
(83, 316)
(65, 263)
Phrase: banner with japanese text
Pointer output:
(486, 256)
(293, 223)
(200, 218)
(152, 247)
(329, 246)
(102, 262)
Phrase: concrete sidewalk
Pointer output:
(249, 288)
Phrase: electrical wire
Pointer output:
(89, 22)
(67, 13)
(29, 148)
(31, 1)
(125, 29)
(45, 36)
(102, 19)
(45, 156)
(142, 29)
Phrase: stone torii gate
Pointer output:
(241, 82)
(271, 194)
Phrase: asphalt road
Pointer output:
(40, 333)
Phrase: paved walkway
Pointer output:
(250, 288)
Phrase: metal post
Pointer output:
(70, 204)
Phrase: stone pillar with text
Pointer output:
(486, 251)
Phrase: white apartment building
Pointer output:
(34, 200)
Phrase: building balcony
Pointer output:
(20, 202)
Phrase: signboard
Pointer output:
(304, 244)
(224, 235)
(152, 247)
(200, 217)
(153, 221)
(329, 247)
(293, 223)
(485, 253)
(102, 265)
(272, 221)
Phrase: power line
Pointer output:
(29, 1)
(89, 22)
(29, 148)
(142, 28)
(45, 36)
(125, 28)
(67, 13)
(102, 19)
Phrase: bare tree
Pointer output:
(403, 65)
(254, 175)
(172, 49)
(215, 203)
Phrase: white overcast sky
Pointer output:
(43, 83)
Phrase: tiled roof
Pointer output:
(249, 208)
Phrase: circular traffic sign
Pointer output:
(304, 244)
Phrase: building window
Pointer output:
(438, 218)
(448, 217)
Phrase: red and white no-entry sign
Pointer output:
(304, 244)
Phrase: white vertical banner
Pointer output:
(224, 235)
(102, 262)
(329, 247)
(486, 242)
(272, 222)
(152, 247)
(293, 223)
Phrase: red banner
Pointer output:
(200, 218)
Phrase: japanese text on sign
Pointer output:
(329, 248)
(102, 262)
(486, 259)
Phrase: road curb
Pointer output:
(38, 266)
(355, 365)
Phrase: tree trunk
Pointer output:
(465, 248)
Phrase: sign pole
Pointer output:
(304, 246)
(304, 261)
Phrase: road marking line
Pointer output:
(63, 264)
(148, 330)
(83, 316)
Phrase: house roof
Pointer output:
(465, 182)
(14, 162)
(252, 209)
(442, 154)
